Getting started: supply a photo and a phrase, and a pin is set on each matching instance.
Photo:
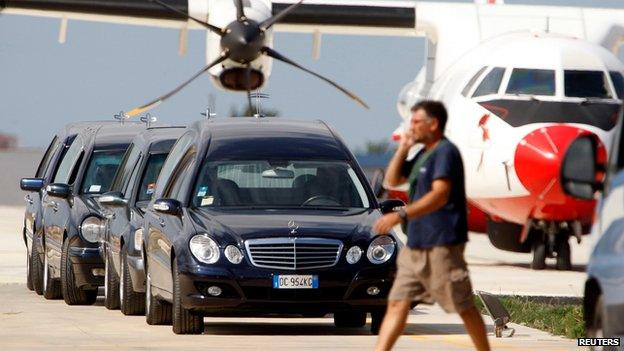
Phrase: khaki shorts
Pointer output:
(438, 274)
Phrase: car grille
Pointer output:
(293, 253)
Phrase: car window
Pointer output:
(491, 82)
(472, 80)
(66, 166)
(179, 178)
(590, 84)
(126, 167)
(45, 160)
(100, 171)
(283, 183)
(176, 153)
(148, 180)
(532, 82)
(618, 83)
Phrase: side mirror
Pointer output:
(59, 190)
(168, 206)
(31, 184)
(113, 199)
(391, 205)
(581, 170)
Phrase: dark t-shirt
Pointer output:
(448, 225)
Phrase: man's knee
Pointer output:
(399, 305)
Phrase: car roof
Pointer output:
(116, 134)
(156, 138)
(248, 137)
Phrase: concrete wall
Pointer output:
(14, 165)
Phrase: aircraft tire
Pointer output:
(539, 254)
(564, 259)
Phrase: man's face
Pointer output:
(422, 126)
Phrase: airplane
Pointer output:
(520, 82)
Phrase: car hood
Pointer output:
(350, 225)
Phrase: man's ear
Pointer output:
(435, 124)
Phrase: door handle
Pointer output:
(161, 222)
(28, 199)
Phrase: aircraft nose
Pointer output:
(538, 159)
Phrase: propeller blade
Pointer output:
(240, 13)
(209, 26)
(266, 24)
(248, 86)
(276, 55)
(150, 105)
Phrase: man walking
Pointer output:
(431, 268)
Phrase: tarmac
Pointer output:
(29, 322)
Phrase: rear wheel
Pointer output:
(72, 294)
(51, 287)
(564, 257)
(350, 319)
(36, 269)
(539, 253)
(111, 284)
(185, 321)
(130, 301)
(156, 311)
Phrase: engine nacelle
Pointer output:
(231, 75)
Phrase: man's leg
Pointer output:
(393, 324)
(475, 327)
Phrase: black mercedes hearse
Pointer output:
(264, 216)
(124, 205)
(72, 219)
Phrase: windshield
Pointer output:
(275, 184)
(531, 82)
(101, 171)
(588, 84)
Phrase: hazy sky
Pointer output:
(105, 68)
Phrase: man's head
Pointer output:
(428, 121)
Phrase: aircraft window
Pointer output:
(491, 82)
(472, 81)
(618, 83)
(532, 82)
(589, 84)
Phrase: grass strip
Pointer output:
(563, 319)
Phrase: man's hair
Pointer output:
(433, 109)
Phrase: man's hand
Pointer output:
(386, 223)
(407, 140)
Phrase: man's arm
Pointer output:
(435, 199)
(394, 176)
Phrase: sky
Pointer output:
(106, 68)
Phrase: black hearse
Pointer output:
(264, 216)
(33, 228)
(124, 205)
(72, 218)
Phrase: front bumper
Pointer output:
(88, 266)
(250, 290)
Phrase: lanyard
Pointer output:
(420, 161)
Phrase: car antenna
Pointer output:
(210, 110)
(148, 119)
(258, 96)
(121, 117)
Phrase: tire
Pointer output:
(351, 319)
(376, 320)
(36, 270)
(29, 284)
(564, 257)
(156, 312)
(185, 321)
(539, 254)
(51, 287)
(130, 302)
(111, 284)
(72, 294)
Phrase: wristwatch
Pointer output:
(403, 215)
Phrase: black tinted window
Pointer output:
(64, 170)
(618, 83)
(148, 181)
(491, 82)
(100, 172)
(43, 165)
(532, 82)
(128, 163)
(472, 81)
(178, 150)
(590, 84)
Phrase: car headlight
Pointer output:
(233, 254)
(354, 254)
(138, 239)
(381, 249)
(204, 248)
(92, 228)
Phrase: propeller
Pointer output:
(242, 41)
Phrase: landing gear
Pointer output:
(552, 240)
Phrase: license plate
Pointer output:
(295, 281)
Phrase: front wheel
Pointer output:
(564, 257)
(111, 284)
(156, 312)
(72, 294)
(185, 321)
(130, 301)
(51, 287)
(539, 254)
(36, 269)
(29, 284)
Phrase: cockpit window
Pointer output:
(279, 183)
(618, 83)
(587, 84)
(491, 82)
(472, 81)
(525, 81)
